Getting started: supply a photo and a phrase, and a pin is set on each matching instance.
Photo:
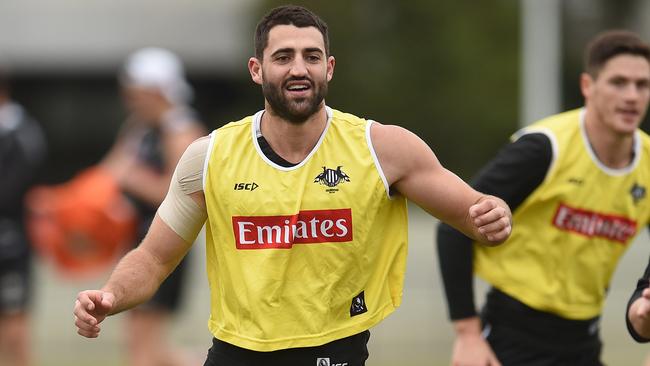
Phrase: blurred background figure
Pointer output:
(22, 150)
(159, 127)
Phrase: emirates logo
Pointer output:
(284, 231)
(594, 224)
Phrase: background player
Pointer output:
(577, 183)
(22, 152)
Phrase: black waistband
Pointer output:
(351, 350)
(504, 310)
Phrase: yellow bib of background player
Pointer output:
(569, 234)
(305, 255)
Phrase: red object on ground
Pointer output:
(82, 226)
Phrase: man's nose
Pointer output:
(299, 67)
(632, 92)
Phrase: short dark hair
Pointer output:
(612, 43)
(288, 15)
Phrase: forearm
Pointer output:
(455, 255)
(135, 279)
(140, 273)
(638, 310)
(639, 326)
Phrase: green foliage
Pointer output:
(447, 70)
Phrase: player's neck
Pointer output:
(292, 141)
(612, 149)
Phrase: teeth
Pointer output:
(297, 87)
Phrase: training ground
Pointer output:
(418, 333)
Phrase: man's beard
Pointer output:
(296, 111)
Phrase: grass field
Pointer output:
(417, 334)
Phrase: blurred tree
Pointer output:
(447, 71)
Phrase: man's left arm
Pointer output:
(412, 169)
(637, 315)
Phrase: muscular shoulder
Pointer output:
(384, 138)
(180, 209)
(347, 118)
(189, 172)
(398, 150)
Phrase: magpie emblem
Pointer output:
(358, 305)
(331, 177)
(637, 192)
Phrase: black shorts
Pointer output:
(512, 349)
(349, 351)
(168, 297)
(522, 336)
(15, 267)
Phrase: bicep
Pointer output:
(184, 213)
(183, 208)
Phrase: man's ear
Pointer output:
(586, 84)
(255, 68)
(331, 62)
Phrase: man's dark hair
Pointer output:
(288, 15)
(610, 44)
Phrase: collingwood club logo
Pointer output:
(637, 192)
(331, 178)
(358, 305)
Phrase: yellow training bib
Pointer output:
(304, 255)
(569, 234)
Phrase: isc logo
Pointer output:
(246, 186)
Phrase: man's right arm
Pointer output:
(173, 230)
(134, 280)
(139, 274)
(637, 315)
(517, 170)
